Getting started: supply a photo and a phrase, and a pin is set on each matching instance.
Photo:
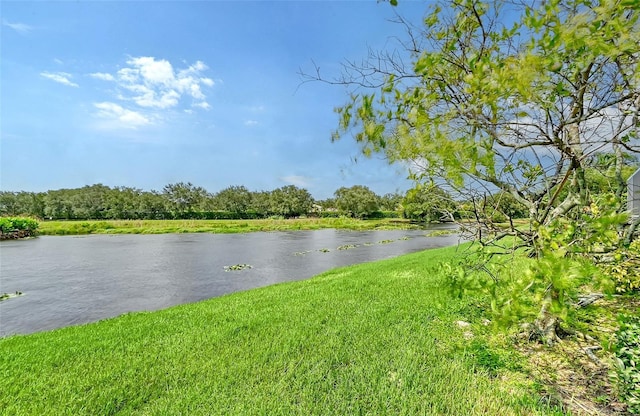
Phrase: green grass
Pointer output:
(373, 339)
(214, 226)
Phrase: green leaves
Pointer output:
(627, 351)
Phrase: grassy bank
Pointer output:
(214, 226)
(377, 339)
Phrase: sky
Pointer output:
(146, 93)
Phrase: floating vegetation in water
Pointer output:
(324, 250)
(368, 244)
(347, 247)
(4, 296)
(385, 241)
(301, 253)
(404, 238)
(237, 267)
(440, 233)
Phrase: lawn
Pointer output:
(381, 338)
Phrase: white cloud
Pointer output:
(102, 76)
(250, 123)
(299, 181)
(154, 83)
(21, 28)
(204, 105)
(118, 117)
(60, 77)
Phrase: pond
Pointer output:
(74, 280)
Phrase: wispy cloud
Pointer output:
(63, 78)
(155, 83)
(250, 123)
(115, 116)
(102, 76)
(21, 28)
(299, 181)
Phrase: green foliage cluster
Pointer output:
(506, 108)
(428, 203)
(13, 224)
(357, 201)
(625, 268)
(627, 352)
(187, 201)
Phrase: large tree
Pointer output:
(290, 201)
(357, 201)
(513, 97)
(235, 199)
(184, 197)
(428, 203)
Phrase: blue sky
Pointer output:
(143, 94)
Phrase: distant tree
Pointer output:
(499, 207)
(235, 199)
(21, 203)
(261, 202)
(327, 204)
(58, 204)
(357, 201)
(153, 205)
(391, 201)
(428, 203)
(123, 203)
(184, 197)
(89, 202)
(291, 201)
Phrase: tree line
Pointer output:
(184, 200)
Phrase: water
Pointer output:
(75, 280)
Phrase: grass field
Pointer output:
(214, 226)
(374, 339)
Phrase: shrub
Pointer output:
(18, 225)
(625, 269)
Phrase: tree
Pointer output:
(235, 199)
(261, 202)
(390, 201)
(428, 203)
(184, 197)
(290, 201)
(493, 98)
(357, 201)
(21, 203)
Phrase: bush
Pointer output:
(625, 269)
(18, 226)
(379, 215)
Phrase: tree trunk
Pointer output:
(545, 326)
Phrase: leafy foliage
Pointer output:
(624, 270)
(628, 359)
(428, 203)
(18, 226)
(290, 201)
(517, 111)
(357, 201)
(9, 224)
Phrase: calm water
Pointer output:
(75, 280)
